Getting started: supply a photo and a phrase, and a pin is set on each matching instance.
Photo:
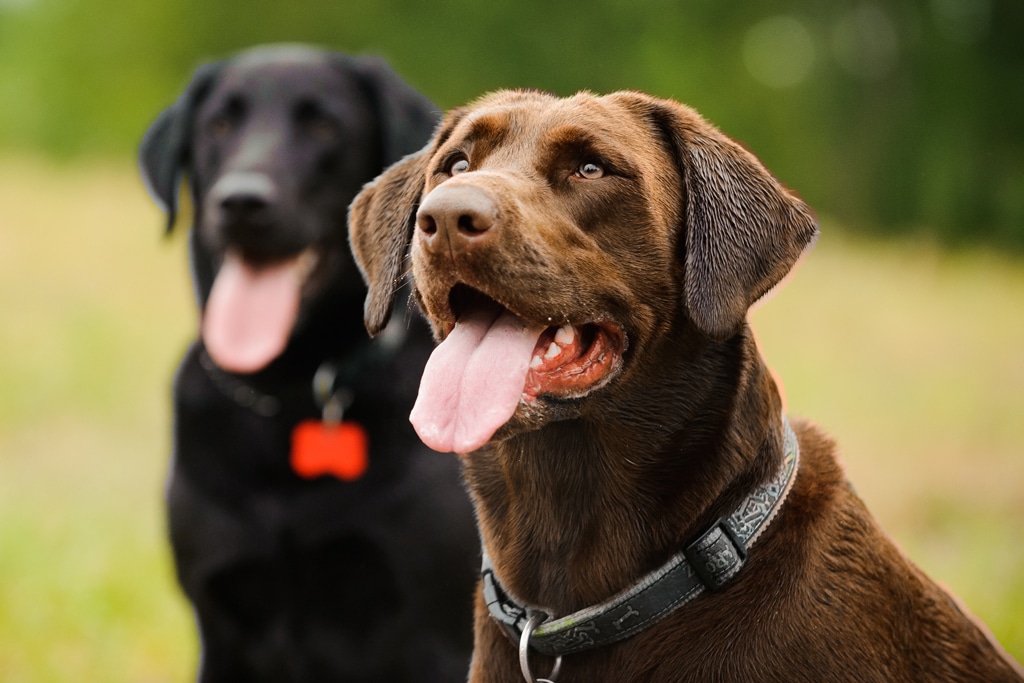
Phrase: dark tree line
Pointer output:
(905, 115)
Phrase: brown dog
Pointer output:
(589, 263)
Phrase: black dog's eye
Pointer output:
(322, 129)
(221, 127)
(590, 171)
(458, 164)
(228, 119)
(316, 123)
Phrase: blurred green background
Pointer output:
(898, 115)
(902, 333)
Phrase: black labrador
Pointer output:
(310, 550)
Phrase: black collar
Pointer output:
(708, 563)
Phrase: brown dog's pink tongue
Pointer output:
(250, 313)
(473, 381)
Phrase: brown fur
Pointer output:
(576, 498)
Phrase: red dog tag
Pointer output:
(340, 450)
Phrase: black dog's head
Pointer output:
(275, 143)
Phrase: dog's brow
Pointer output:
(576, 139)
(489, 129)
(451, 121)
(580, 142)
(569, 135)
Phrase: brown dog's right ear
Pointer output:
(380, 223)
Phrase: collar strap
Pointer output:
(708, 563)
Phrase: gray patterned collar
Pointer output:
(706, 564)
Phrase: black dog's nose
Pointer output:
(243, 204)
(244, 196)
(458, 217)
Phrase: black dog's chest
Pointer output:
(236, 455)
(225, 444)
(312, 586)
(244, 524)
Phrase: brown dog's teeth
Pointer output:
(563, 338)
(565, 335)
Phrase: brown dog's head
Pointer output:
(555, 242)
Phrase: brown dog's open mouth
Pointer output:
(572, 360)
(492, 360)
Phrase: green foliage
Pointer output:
(903, 115)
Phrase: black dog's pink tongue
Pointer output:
(473, 381)
(250, 313)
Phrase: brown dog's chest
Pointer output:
(824, 591)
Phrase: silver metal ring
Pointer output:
(323, 382)
(524, 652)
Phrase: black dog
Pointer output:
(303, 564)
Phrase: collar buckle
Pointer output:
(717, 555)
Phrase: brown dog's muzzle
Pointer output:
(457, 219)
(502, 346)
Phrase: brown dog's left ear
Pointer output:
(380, 223)
(744, 230)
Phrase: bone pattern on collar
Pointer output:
(708, 563)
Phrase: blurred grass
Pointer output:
(909, 355)
(96, 311)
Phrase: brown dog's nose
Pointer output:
(462, 216)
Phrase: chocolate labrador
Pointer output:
(648, 511)
(316, 537)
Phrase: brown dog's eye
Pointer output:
(457, 165)
(590, 171)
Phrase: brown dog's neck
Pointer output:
(578, 510)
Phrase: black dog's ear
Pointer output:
(406, 116)
(163, 152)
(380, 223)
(744, 230)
